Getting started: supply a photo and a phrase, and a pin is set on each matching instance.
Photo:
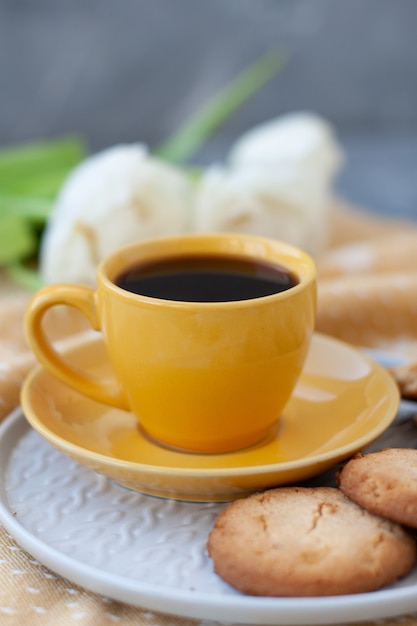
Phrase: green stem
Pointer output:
(190, 137)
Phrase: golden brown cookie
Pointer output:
(406, 378)
(384, 483)
(307, 542)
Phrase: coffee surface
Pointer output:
(206, 279)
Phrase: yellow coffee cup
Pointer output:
(204, 376)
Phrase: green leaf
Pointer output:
(30, 177)
(189, 138)
(40, 157)
(46, 184)
(17, 238)
(25, 277)
(34, 209)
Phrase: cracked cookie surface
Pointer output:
(300, 541)
(384, 483)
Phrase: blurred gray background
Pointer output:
(133, 70)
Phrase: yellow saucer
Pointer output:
(342, 402)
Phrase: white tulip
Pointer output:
(278, 183)
(301, 140)
(283, 204)
(113, 198)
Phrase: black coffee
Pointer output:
(206, 279)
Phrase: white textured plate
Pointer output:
(143, 550)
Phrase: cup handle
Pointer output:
(83, 299)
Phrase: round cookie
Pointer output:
(384, 483)
(298, 541)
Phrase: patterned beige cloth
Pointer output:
(368, 283)
(367, 296)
